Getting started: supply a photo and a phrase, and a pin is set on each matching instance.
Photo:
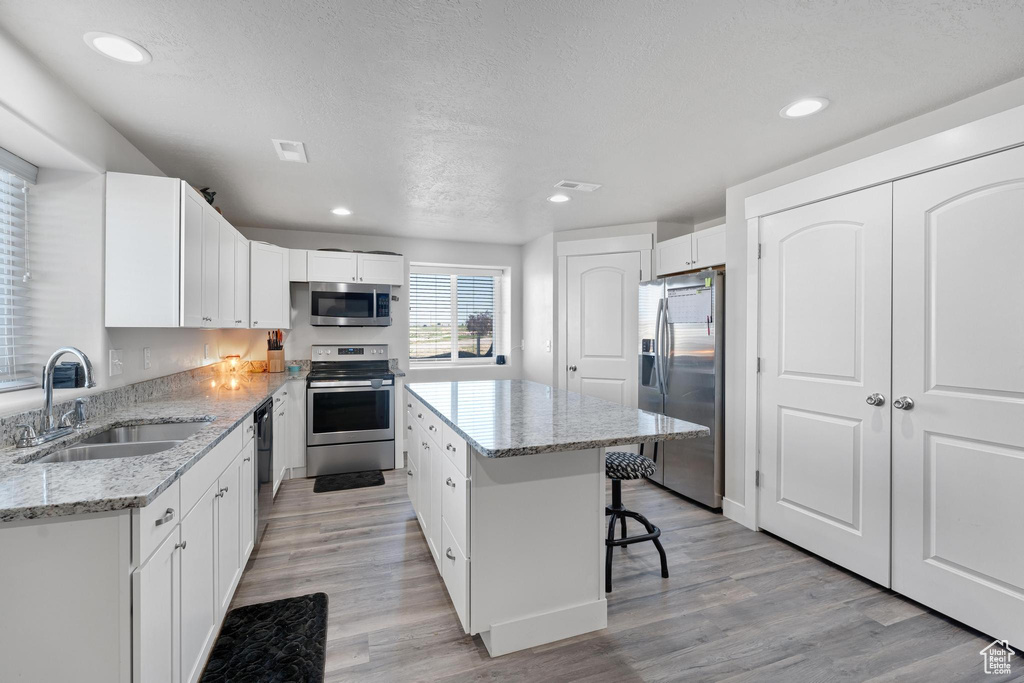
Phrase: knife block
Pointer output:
(275, 361)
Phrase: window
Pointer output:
(455, 314)
(17, 369)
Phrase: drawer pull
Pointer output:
(168, 516)
(409, 472)
(181, 545)
(432, 428)
(408, 405)
(409, 428)
(450, 448)
(449, 554)
(450, 482)
(247, 458)
(249, 429)
(220, 494)
(424, 445)
(420, 416)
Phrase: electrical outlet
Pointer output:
(147, 360)
(206, 352)
(116, 366)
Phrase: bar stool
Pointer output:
(619, 465)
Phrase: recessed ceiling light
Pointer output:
(804, 107)
(559, 198)
(341, 211)
(117, 47)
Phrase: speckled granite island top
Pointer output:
(504, 418)
(30, 490)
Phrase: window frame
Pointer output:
(21, 352)
(453, 272)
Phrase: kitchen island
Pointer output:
(507, 481)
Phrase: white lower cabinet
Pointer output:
(229, 532)
(198, 584)
(156, 632)
(280, 438)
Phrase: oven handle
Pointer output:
(373, 384)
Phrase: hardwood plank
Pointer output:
(738, 606)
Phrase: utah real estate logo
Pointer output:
(996, 657)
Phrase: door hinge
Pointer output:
(757, 478)
(759, 363)
(759, 245)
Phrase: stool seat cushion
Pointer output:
(624, 465)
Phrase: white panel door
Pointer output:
(331, 266)
(229, 536)
(241, 318)
(226, 276)
(603, 317)
(268, 286)
(191, 258)
(958, 354)
(156, 615)
(381, 269)
(198, 584)
(825, 348)
(211, 267)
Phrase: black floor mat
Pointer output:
(349, 480)
(272, 642)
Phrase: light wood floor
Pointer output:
(739, 605)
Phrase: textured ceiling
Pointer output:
(454, 119)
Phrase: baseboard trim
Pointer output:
(539, 629)
(737, 512)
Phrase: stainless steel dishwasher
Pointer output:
(264, 418)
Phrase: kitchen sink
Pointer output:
(164, 431)
(103, 451)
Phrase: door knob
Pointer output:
(903, 403)
(876, 400)
(572, 368)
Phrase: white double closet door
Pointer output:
(914, 291)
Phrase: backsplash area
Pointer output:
(111, 400)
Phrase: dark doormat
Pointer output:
(349, 480)
(272, 642)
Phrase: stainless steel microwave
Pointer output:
(340, 304)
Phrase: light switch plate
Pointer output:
(116, 366)
(147, 360)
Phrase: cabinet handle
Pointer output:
(409, 428)
(168, 516)
(180, 546)
(409, 472)
(255, 322)
(424, 444)
(450, 482)
(450, 448)
(249, 429)
(449, 554)
(408, 405)
(432, 428)
(420, 416)
(247, 458)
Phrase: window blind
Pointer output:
(18, 368)
(454, 313)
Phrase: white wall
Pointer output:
(45, 123)
(739, 455)
(539, 309)
(302, 336)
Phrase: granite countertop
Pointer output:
(503, 418)
(30, 490)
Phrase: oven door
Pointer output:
(340, 304)
(349, 412)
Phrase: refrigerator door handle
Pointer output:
(657, 346)
(663, 341)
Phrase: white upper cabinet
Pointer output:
(346, 266)
(241, 318)
(381, 269)
(331, 266)
(226, 276)
(269, 303)
(297, 265)
(171, 259)
(701, 249)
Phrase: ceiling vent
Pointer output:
(576, 185)
(289, 150)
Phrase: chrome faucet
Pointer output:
(48, 428)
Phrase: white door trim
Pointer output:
(979, 138)
(644, 244)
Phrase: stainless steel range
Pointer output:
(350, 410)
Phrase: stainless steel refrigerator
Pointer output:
(682, 374)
